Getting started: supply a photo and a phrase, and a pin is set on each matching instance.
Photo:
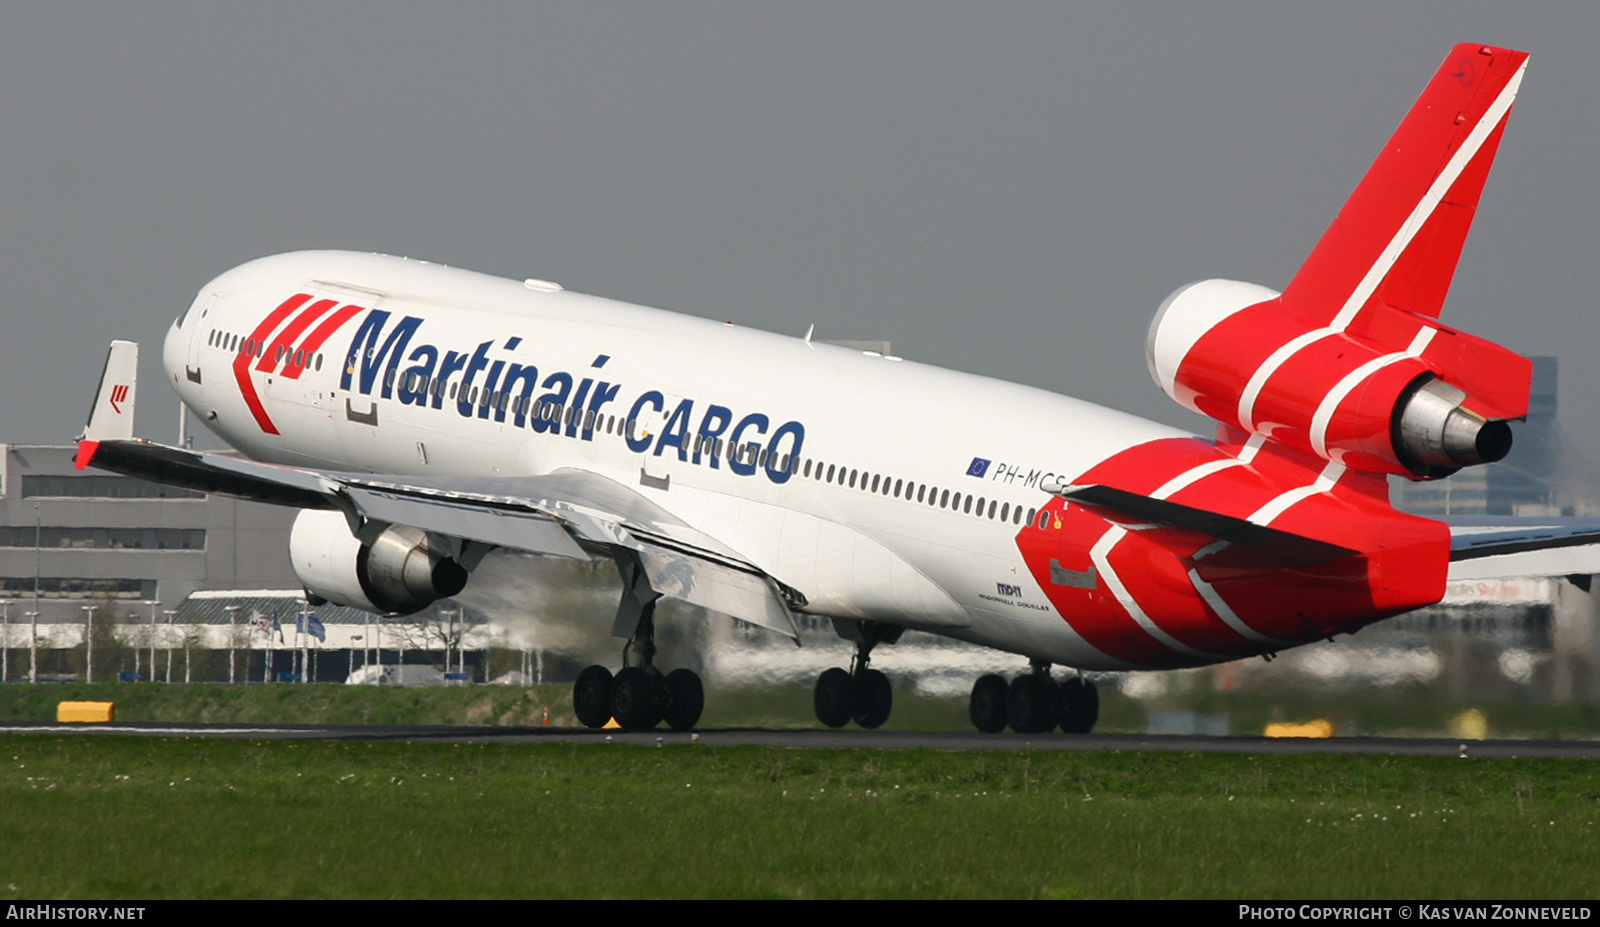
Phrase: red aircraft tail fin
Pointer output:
(1398, 238)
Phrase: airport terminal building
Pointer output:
(70, 538)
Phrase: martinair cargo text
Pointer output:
(421, 416)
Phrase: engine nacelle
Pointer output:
(1384, 395)
(397, 574)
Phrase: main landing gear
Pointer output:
(861, 694)
(1034, 703)
(639, 696)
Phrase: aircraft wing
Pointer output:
(1493, 548)
(569, 513)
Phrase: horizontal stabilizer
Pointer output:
(1506, 548)
(1289, 548)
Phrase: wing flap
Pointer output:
(502, 527)
(744, 594)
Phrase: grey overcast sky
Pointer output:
(1004, 188)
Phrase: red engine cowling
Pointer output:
(1393, 392)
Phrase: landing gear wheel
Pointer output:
(591, 696)
(686, 698)
(874, 699)
(834, 697)
(1080, 706)
(636, 698)
(1031, 704)
(987, 708)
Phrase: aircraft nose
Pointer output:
(175, 348)
(169, 346)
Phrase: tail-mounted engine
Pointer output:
(400, 572)
(1350, 362)
(1398, 393)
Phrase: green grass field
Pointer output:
(130, 818)
(1377, 712)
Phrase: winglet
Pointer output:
(111, 418)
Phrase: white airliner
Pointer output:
(422, 415)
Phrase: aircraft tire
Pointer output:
(636, 698)
(987, 707)
(874, 700)
(686, 699)
(834, 697)
(1031, 704)
(1080, 706)
(591, 696)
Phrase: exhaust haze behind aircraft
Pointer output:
(422, 415)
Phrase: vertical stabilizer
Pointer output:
(1399, 236)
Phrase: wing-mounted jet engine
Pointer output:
(400, 571)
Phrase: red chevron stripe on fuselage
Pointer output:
(1163, 596)
(280, 350)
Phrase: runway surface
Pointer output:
(843, 739)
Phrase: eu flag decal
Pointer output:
(979, 467)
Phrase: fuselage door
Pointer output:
(197, 322)
(299, 370)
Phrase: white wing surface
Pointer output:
(569, 513)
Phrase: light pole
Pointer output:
(172, 613)
(232, 637)
(153, 606)
(33, 648)
(450, 637)
(5, 648)
(88, 642)
(33, 666)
